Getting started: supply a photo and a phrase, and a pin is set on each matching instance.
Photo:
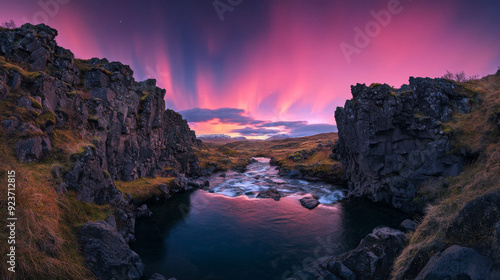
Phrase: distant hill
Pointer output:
(219, 138)
(278, 137)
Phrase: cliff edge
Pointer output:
(393, 140)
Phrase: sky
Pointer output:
(256, 68)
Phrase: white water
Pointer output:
(260, 176)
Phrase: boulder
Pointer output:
(309, 202)
(179, 184)
(270, 193)
(107, 254)
(412, 267)
(475, 222)
(372, 259)
(198, 184)
(458, 262)
(165, 190)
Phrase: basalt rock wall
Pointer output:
(393, 140)
(48, 89)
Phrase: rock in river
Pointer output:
(309, 202)
(270, 193)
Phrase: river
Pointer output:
(225, 233)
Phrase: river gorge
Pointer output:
(225, 232)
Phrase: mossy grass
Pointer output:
(375, 85)
(47, 117)
(9, 66)
(145, 95)
(143, 189)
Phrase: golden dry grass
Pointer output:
(46, 245)
(221, 157)
(230, 154)
(318, 147)
(144, 188)
(282, 148)
(14, 67)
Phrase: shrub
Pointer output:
(9, 24)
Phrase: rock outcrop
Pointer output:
(459, 263)
(134, 134)
(107, 254)
(476, 221)
(469, 247)
(270, 193)
(392, 140)
(372, 259)
(90, 179)
(46, 93)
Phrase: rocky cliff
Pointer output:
(393, 140)
(131, 132)
(92, 123)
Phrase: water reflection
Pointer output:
(218, 237)
(226, 233)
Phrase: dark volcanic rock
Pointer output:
(88, 178)
(107, 254)
(390, 141)
(412, 267)
(295, 174)
(475, 225)
(372, 259)
(137, 136)
(133, 135)
(270, 193)
(309, 202)
(29, 149)
(476, 220)
(459, 263)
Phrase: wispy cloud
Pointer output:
(252, 131)
(225, 115)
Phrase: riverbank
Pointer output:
(309, 158)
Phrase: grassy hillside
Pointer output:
(477, 135)
(311, 153)
(46, 243)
